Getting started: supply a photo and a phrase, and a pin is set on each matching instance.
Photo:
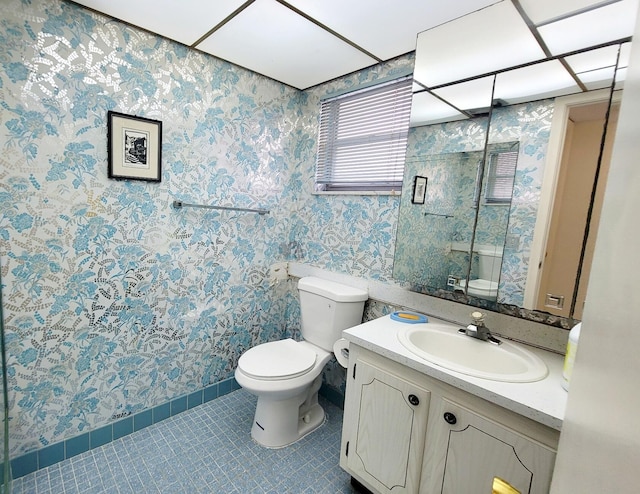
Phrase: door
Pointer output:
(472, 451)
(387, 439)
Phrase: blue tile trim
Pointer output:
(194, 399)
(50, 455)
(210, 393)
(57, 452)
(178, 405)
(24, 464)
(101, 436)
(332, 395)
(161, 412)
(122, 428)
(76, 445)
(142, 419)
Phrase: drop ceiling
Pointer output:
(303, 43)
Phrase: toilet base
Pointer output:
(279, 423)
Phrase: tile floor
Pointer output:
(207, 449)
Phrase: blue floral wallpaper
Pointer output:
(114, 301)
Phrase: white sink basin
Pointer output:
(444, 346)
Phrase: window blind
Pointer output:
(363, 138)
(502, 171)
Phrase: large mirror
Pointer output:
(503, 176)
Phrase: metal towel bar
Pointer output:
(180, 204)
(440, 215)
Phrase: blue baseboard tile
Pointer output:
(194, 399)
(210, 392)
(122, 428)
(142, 419)
(178, 405)
(334, 396)
(227, 386)
(76, 445)
(50, 455)
(161, 412)
(25, 464)
(54, 453)
(101, 436)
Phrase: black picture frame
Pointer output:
(419, 189)
(134, 147)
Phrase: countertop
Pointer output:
(543, 401)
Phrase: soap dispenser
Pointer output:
(570, 356)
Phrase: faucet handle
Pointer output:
(478, 317)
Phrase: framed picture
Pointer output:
(419, 189)
(135, 147)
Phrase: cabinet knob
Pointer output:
(450, 418)
(414, 400)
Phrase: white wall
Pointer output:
(600, 443)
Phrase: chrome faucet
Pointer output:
(478, 330)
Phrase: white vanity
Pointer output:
(412, 426)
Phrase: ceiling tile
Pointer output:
(593, 59)
(540, 11)
(543, 80)
(608, 23)
(274, 41)
(484, 41)
(185, 21)
(426, 109)
(471, 95)
(386, 29)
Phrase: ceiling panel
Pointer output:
(471, 95)
(611, 22)
(543, 80)
(490, 39)
(386, 29)
(184, 21)
(540, 11)
(426, 109)
(287, 47)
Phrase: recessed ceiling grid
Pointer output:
(536, 49)
(303, 43)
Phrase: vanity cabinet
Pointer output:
(405, 432)
(387, 428)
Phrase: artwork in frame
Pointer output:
(419, 189)
(134, 147)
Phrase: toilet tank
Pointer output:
(490, 262)
(326, 308)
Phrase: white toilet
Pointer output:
(489, 265)
(286, 375)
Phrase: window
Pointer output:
(363, 139)
(502, 171)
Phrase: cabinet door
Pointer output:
(472, 450)
(386, 441)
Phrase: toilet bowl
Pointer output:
(486, 285)
(480, 288)
(286, 375)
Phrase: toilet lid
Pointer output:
(283, 359)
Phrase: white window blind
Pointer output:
(363, 139)
(502, 171)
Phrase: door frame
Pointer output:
(553, 162)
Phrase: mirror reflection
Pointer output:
(501, 253)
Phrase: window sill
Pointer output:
(357, 193)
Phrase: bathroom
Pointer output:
(194, 283)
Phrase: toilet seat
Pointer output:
(283, 359)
